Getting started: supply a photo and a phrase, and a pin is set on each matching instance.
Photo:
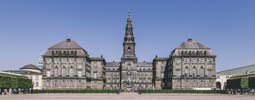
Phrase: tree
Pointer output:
(244, 83)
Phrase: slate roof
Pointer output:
(239, 71)
(161, 58)
(144, 64)
(112, 64)
(30, 66)
(67, 44)
(190, 44)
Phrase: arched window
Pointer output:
(201, 71)
(194, 71)
(71, 71)
(186, 71)
(64, 71)
(56, 71)
(129, 50)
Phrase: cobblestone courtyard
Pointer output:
(125, 96)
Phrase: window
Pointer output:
(194, 70)
(48, 83)
(71, 71)
(48, 73)
(71, 60)
(162, 75)
(79, 73)
(129, 50)
(129, 73)
(55, 83)
(209, 60)
(63, 83)
(64, 71)
(56, 71)
(201, 60)
(64, 60)
(36, 84)
(162, 68)
(209, 66)
(95, 68)
(129, 66)
(193, 60)
(186, 60)
(79, 60)
(186, 71)
(56, 60)
(95, 75)
(178, 73)
(79, 67)
(48, 60)
(209, 72)
(71, 83)
(201, 71)
(79, 83)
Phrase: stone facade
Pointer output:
(189, 66)
(68, 66)
(97, 72)
(34, 73)
(192, 66)
(112, 74)
(161, 73)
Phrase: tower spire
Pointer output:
(129, 39)
(129, 27)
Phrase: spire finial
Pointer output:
(129, 13)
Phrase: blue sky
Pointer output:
(29, 27)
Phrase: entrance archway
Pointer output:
(218, 85)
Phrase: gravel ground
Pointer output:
(126, 96)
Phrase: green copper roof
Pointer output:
(239, 71)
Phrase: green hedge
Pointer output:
(15, 82)
(183, 91)
(75, 91)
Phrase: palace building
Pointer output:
(66, 65)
